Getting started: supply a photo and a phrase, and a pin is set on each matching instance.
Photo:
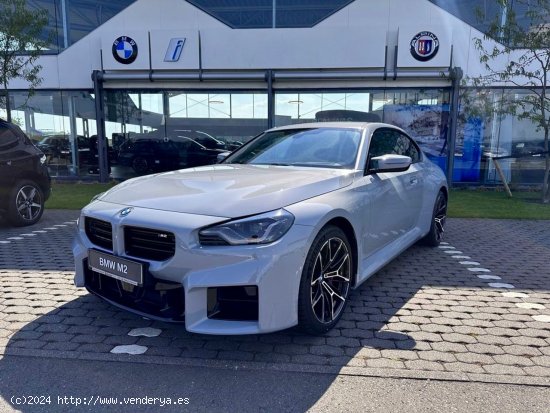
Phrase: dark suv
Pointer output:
(24, 180)
(144, 154)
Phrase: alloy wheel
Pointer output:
(28, 202)
(330, 280)
(440, 217)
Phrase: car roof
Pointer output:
(331, 125)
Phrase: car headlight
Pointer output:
(43, 159)
(257, 229)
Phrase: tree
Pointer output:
(517, 53)
(20, 45)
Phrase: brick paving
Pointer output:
(424, 315)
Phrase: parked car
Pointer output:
(57, 147)
(24, 180)
(528, 149)
(207, 140)
(274, 236)
(152, 154)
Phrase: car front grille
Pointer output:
(99, 232)
(150, 244)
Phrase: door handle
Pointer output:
(413, 181)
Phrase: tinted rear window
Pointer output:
(8, 138)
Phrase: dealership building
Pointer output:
(174, 76)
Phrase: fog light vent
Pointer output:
(233, 303)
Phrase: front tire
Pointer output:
(25, 203)
(439, 216)
(326, 281)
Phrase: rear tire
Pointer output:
(439, 216)
(25, 203)
(326, 281)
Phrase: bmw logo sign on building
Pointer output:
(424, 46)
(125, 50)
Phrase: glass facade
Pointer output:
(153, 130)
(422, 113)
(170, 129)
(487, 132)
(149, 131)
(247, 14)
(480, 13)
(62, 125)
(71, 20)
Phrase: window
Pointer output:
(8, 138)
(319, 147)
(246, 14)
(389, 141)
(480, 14)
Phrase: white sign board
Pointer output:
(125, 50)
(424, 46)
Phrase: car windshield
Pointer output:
(316, 147)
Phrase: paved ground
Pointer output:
(426, 315)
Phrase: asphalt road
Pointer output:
(219, 389)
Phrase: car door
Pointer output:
(411, 180)
(392, 198)
(8, 142)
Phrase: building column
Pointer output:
(456, 77)
(103, 156)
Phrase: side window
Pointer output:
(408, 148)
(8, 138)
(388, 142)
(383, 142)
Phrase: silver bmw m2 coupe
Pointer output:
(273, 236)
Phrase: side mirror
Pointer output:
(222, 156)
(389, 163)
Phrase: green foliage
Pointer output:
(519, 56)
(20, 45)
(75, 195)
(497, 205)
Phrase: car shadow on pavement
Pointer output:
(418, 313)
(88, 329)
(48, 317)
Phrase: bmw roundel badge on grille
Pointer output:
(125, 211)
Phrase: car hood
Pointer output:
(227, 190)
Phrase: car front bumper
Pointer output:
(194, 271)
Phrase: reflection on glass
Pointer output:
(150, 131)
(62, 125)
(486, 127)
(84, 16)
(317, 148)
(423, 114)
(246, 14)
(293, 108)
(160, 131)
